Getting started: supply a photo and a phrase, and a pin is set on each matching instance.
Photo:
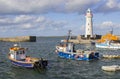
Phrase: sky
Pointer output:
(56, 17)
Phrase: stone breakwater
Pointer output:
(20, 39)
(80, 40)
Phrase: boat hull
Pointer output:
(107, 46)
(23, 64)
(35, 63)
(75, 57)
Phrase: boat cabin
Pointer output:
(70, 47)
(17, 53)
(66, 47)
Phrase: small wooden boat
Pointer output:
(67, 50)
(111, 68)
(17, 56)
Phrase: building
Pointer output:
(89, 24)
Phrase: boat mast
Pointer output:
(69, 36)
(69, 44)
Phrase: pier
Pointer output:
(80, 40)
(20, 39)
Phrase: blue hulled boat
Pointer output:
(17, 56)
(67, 50)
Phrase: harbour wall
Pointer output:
(87, 41)
(20, 39)
(80, 40)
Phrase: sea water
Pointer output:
(58, 68)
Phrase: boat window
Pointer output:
(11, 51)
(17, 52)
(22, 52)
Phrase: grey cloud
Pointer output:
(28, 6)
(59, 6)
(108, 6)
(80, 5)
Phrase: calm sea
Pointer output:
(58, 68)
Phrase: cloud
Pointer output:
(34, 16)
(30, 24)
(29, 6)
(80, 5)
(108, 6)
(23, 18)
(57, 6)
(106, 26)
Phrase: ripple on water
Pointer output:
(58, 68)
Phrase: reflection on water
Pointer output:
(58, 68)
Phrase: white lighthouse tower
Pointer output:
(89, 24)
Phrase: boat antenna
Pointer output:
(111, 30)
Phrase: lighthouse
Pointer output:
(89, 24)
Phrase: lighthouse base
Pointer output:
(88, 36)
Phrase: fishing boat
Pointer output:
(17, 55)
(108, 44)
(108, 41)
(67, 50)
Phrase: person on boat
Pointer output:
(64, 45)
(91, 56)
(27, 59)
(74, 48)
